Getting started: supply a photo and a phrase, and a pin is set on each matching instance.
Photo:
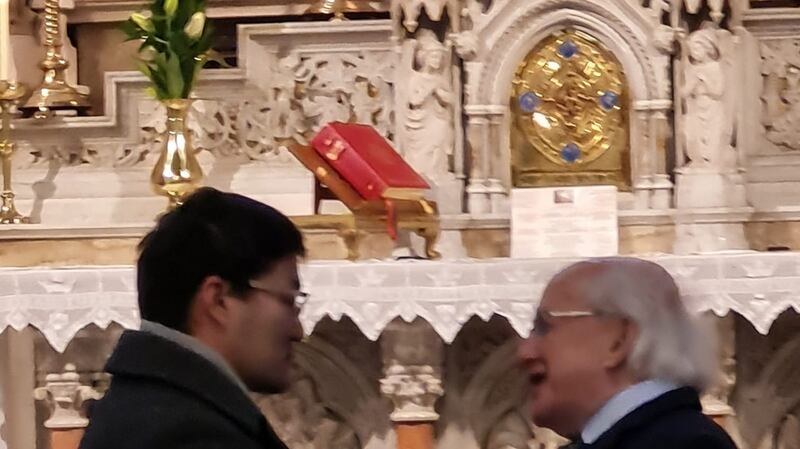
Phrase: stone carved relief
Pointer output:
(780, 70)
(65, 396)
(303, 422)
(707, 93)
(766, 406)
(414, 391)
(411, 10)
(786, 436)
(429, 100)
(330, 404)
(304, 94)
(484, 405)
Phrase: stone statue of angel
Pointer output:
(708, 96)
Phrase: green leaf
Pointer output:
(143, 22)
(145, 69)
(131, 30)
(175, 81)
(213, 55)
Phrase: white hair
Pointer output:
(672, 345)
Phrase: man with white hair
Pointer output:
(616, 361)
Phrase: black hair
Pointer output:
(212, 233)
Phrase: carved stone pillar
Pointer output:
(478, 138)
(16, 383)
(65, 395)
(717, 401)
(412, 360)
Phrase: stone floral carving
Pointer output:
(428, 128)
(709, 111)
(780, 69)
(303, 94)
(413, 390)
(303, 422)
(65, 396)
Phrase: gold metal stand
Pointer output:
(54, 92)
(339, 7)
(11, 94)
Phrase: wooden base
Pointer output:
(414, 435)
(65, 439)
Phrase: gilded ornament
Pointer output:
(569, 108)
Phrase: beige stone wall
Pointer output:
(101, 49)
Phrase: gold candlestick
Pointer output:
(11, 93)
(54, 91)
(339, 7)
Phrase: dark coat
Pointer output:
(674, 420)
(164, 396)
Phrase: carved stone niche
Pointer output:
(631, 31)
(331, 403)
(485, 402)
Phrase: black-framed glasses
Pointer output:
(292, 298)
(542, 323)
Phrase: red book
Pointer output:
(368, 162)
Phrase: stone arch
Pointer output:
(492, 397)
(517, 27)
(622, 34)
(344, 391)
(763, 406)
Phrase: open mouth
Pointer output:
(537, 377)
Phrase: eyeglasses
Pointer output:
(295, 299)
(542, 327)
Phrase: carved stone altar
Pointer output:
(713, 108)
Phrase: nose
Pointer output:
(528, 350)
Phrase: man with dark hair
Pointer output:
(219, 299)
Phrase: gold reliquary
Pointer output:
(569, 110)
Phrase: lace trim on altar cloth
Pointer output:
(61, 301)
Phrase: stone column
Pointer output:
(716, 402)
(65, 395)
(478, 142)
(412, 360)
(17, 380)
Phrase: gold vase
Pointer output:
(177, 173)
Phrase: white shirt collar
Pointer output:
(621, 405)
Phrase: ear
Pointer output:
(209, 306)
(624, 337)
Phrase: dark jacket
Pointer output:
(164, 396)
(674, 420)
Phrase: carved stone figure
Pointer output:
(709, 113)
(429, 114)
(410, 10)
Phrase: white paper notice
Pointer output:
(564, 222)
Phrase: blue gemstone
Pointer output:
(608, 100)
(528, 102)
(567, 49)
(570, 153)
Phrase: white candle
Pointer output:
(5, 40)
